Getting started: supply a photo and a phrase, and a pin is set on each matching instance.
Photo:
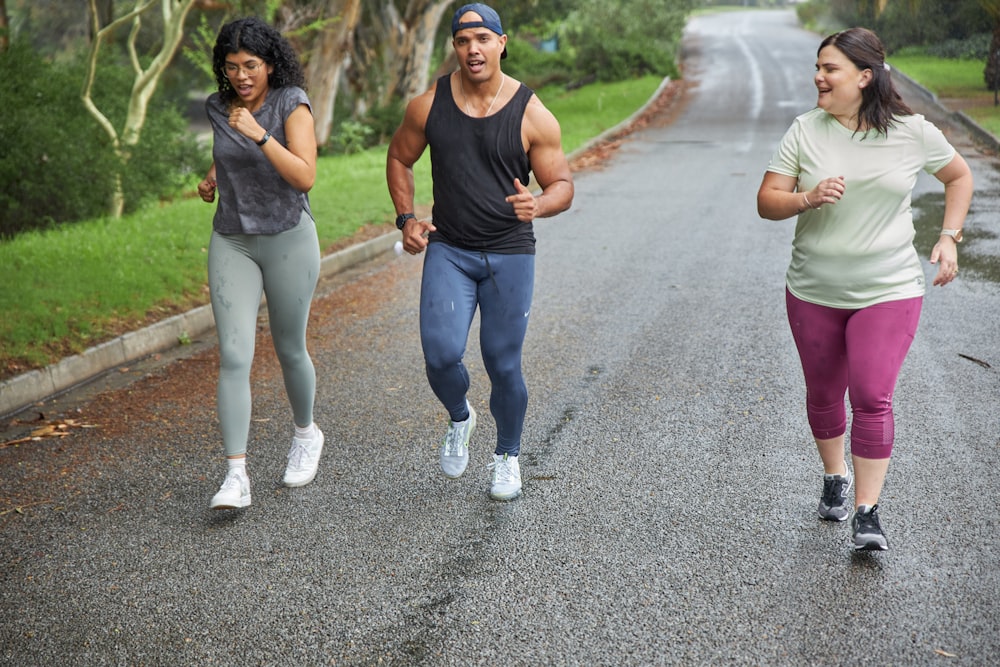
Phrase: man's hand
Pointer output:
(415, 235)
(525, 204)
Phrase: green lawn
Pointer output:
(957, 83)
(73, 287)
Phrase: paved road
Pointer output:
(668, 515)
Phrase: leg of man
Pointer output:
(447, 306)
(504, 306)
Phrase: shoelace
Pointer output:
(868, 522)
(298, 454)
(503, 471)
(232, 480)
(453, 441)
(833, 491)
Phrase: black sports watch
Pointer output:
(402, 218)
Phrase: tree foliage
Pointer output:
(62, 168)
(902, 23)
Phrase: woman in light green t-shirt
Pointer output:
(855, 284)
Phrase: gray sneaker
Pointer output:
(833, 503)
(868, 535)
(455, 448)
(506, 483)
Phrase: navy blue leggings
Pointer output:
(455, 282)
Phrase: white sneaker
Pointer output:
(234, 492)
(506, 477)
(455, 448)
(303, 459)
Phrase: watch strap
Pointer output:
(402, 218)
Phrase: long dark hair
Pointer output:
(880, 103)
(257, 37)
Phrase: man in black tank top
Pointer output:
(487, 135)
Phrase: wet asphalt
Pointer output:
(670, 483)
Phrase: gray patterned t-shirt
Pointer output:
(253, 197)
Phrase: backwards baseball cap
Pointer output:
(490, 20)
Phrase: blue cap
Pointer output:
(490, 20)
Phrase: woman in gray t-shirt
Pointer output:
(264, 239)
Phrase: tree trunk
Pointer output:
(392, 51)
(416, 49)
(325, 62)
(992, 72)
(145, 82)
(4, 27)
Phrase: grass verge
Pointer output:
(959, 84)
(69, 288)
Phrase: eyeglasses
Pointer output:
(250, 68)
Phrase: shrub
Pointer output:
(61, 167)
(618, 41)
(537, 68)
(976, 47)
(56, 166)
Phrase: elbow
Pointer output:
(764, 209)
(303, 182)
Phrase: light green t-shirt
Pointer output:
(859, 251)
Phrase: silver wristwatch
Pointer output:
(956, 234)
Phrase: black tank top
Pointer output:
(474, 162)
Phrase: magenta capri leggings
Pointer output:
(285, 268)
(855, 351)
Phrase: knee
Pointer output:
(874, 404)
(291, 354)
(441, 355)
(235, 359)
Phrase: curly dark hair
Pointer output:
(880, 103)
(257, 37)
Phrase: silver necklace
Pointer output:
(468, 109)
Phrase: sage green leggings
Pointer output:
(283, 267)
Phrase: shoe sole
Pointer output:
(871, 546)
(516, 494)
(294, 485)
(237, 506)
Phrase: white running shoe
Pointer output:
(455, 448)
(234, 492)
(506, 477)
(303, 459)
